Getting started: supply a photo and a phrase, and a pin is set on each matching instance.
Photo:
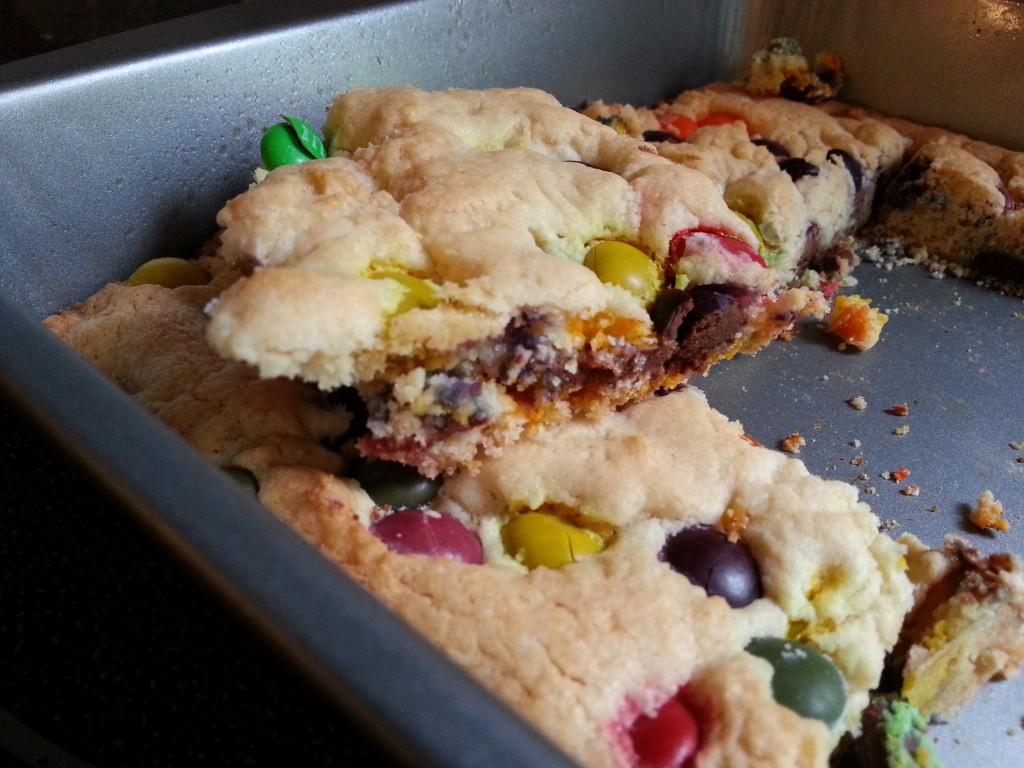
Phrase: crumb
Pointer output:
(733, 522)
(886, 475)
(891, 525)
(988, 513)
(863, 476)
(1020, 459)
(900, 409)
(824, 377)
(932, 508)
(899, 475)
(858, 403)
(870, 490)
(911, 490)
(857, 461)
(1018, 446)
(901, 430)
(793, 443)
(815, 426)
(855, 321)
(855, 443)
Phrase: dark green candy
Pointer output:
(392, 484)
(290, 142)
(245, 479)
(805, 680)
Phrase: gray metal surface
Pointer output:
(119, 151)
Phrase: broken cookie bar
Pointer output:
(967, 626)
(476, 264)
(955, 203)
(646, 578)
(804, 178)
(610, 602)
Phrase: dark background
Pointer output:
(111, 654)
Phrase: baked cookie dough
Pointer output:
(479, 264)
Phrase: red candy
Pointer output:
(418, 532)
(735, 246)
(682, 126)
(679, 126)
(666, 740)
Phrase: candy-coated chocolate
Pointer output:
(538, 539)
(708, 559)
(667, 739)
(392, 484)
(804, 679)
(422, 532)
(170, 272)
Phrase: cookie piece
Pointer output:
(586, 644)
(967, 626)
(441, 263)
(955, 204)
(606, 577)
(806, 178)
(150, 340)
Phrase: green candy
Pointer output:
(290, 142)
(805, 680)
(392, 484)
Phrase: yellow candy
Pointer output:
(170, 272)
(626, 266)
(417, 294)
(536, 539)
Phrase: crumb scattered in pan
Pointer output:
(932, 508)
(858, 403)
(911, 490)
(855, 321)
(891, 525)
(1018, 446)
(988, 513)
(870, 490)
(863, 476)
(793, 443)
(857, 461)
(815, 426)
(855, 443)
(901, 430)
(900, 409)
(899, 475)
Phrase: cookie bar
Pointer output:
(806, 179)
(565, 573)
(955, 204)
(647, 577)
(477, 264)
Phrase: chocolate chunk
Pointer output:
(661, 136)
(777, 150)
(853, 166)
(797, 167)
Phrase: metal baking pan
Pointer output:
(124, 149)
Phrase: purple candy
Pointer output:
(422, 532)
(708, 559)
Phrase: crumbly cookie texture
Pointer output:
(955, 203)
(582, 649)
(150, 340)
(967, 626)
(806, 178)
(436, 263)
(586, 649)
